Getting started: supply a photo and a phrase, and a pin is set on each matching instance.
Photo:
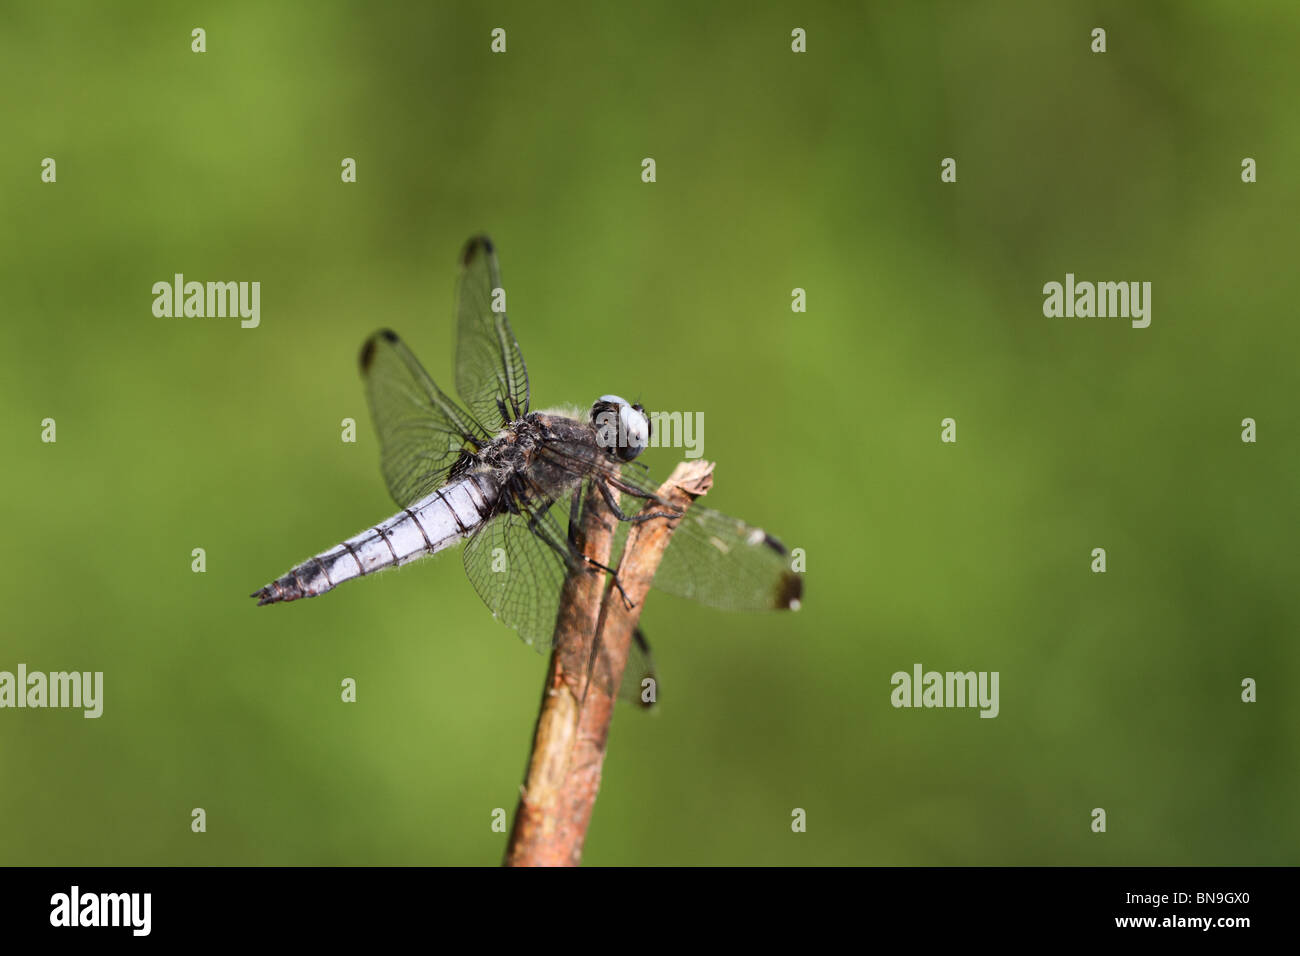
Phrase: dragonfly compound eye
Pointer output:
(622, 429)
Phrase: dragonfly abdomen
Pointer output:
(428, 526)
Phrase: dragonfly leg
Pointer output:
(635, 519)
(613, 577)
(574, 553)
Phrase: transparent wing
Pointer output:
(490, 372)
(713, 558)
(725, 563)
(421, 431)
(640, 682)
(516, 564)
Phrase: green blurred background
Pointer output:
(775, 171)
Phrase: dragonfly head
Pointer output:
(622, 429)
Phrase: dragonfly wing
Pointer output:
(422, 432)
(490, 372)
(712, 558)
(516, 562)
(725, 563)
(640, 682)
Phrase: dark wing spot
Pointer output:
(789, 591)
(368, 349)
(775, 545)
(367, 354)
(472, 249)
(647, 670)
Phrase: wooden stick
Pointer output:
(563, 778)
(541, 834)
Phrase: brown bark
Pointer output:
(572, 731)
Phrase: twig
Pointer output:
(540, 829)
(558, 796)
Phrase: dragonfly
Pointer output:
(503, 478)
